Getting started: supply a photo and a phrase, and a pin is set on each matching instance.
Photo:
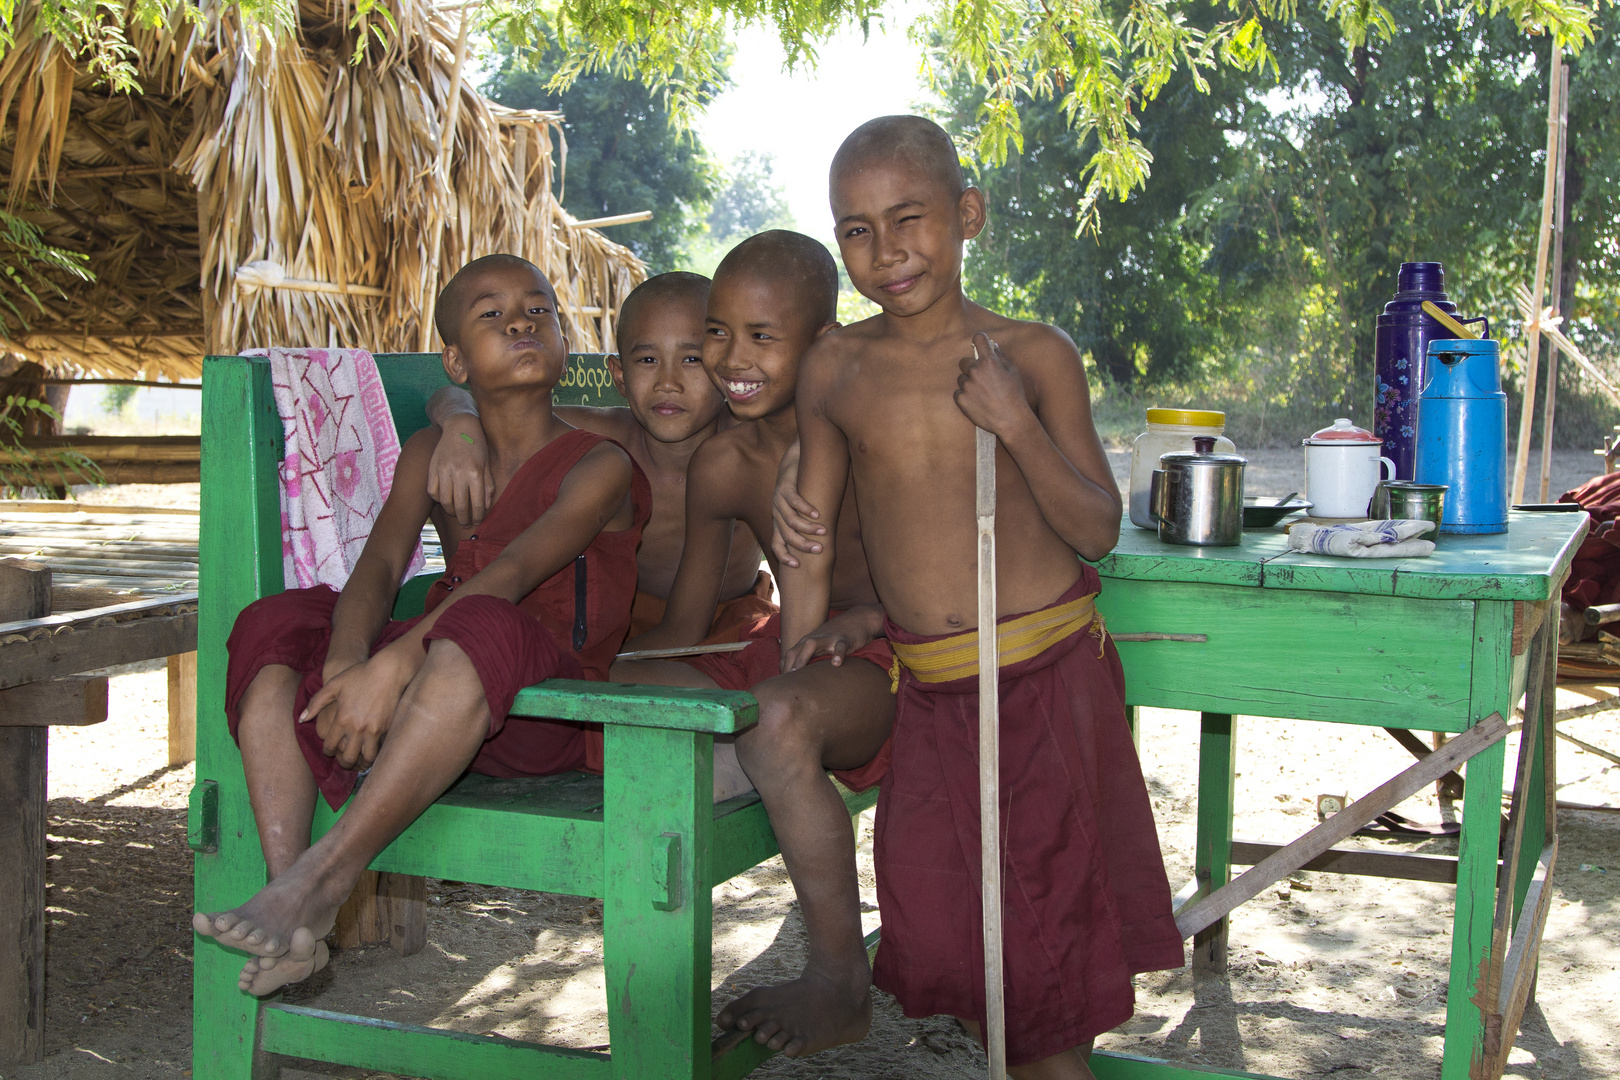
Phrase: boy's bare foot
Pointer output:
(266, 974)
(295, 903)
(810, 1014)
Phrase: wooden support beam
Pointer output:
(382, 908)
(1402, 865)
(1451, 784)
(88, 648)
(1211, 909)
(25, 593)
(76, 701)
(182, 708)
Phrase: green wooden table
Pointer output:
(1436, 644)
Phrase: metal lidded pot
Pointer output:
(1197, 497)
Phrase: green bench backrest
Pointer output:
(412, 378)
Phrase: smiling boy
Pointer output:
(320, 685)
(892, 402)
(773, 297)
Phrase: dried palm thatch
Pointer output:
(246, 150)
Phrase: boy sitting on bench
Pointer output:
(322, 686)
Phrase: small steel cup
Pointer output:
(1402, 499)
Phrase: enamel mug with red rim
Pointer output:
(1343, 465)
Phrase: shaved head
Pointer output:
(794, 259)
(918, 144)
(447, 311)
(678, 286)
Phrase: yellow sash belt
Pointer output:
(1023, 638)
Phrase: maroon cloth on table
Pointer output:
(510, 645)
(747, 668)
(1087, 903)
(1594, 574)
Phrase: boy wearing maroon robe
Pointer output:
(892, 402)
(323, 686)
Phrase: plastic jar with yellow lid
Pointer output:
(1167, 430)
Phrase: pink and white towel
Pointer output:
(340, 450)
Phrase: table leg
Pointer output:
(1217, 756)
(182, 708)
(1478, 846)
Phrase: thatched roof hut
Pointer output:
(322, 174)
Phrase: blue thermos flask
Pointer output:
(1462, 434)
(1400, 346)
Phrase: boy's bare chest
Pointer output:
(894, 422)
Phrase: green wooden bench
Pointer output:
(646, 838)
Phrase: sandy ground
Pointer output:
(1328, 974)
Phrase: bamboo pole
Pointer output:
(1532, 355)
(1557, 282)
(995, 1018)
(447, 144)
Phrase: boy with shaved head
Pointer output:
(323, 686)
(773, 296)
(673, 407)
(891, 403)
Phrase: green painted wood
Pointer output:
(1108, 1065)
(1212, 856)
(1523, 563)
(1378, 660)
(741, 1060)
(659, 783)
(410, 379)
(718, 712)
(240, 541)
(410, 1050)
(1475, 908)
(412, 596)
(547, 849)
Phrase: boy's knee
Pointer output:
(780, 733)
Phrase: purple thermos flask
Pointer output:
(1400, 352)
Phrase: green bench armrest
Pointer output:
(718, 712)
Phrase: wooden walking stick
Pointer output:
(995, 1019)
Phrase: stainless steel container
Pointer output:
(1197, 497)
(1402, 499)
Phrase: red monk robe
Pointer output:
(510, 645)
(1087, 904)
(762, 659)
(734, 620)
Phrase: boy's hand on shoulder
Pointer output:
(792, 517)
(353, 711)
(459, 478)
(837, 637)
(990, 391)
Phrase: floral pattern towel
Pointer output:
(340, 450)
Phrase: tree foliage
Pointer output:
(1280, 206)
(750, 201)
(623, 154)
(1097, 62)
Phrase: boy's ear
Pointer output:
(828, 328)
(453, 366)
(971, 206)
(615, 368)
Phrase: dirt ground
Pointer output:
(1328, 974)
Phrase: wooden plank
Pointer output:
(1527, 619)
(182, 708)
(25, 586)
(1212, 858)
(94, 647)
(1360, 675)
(360, 920)
(1341, 825)
(27, 594)
(657, 920)
(1109, 1065)
(719, 712)
(1451, 783)
(1519, 966)
(405, 897)
(411, 1050)
(76, 701)
(240, 527)
(990, 907)
(142, 606)
(1402, 865)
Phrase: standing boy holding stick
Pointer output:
(896, 399)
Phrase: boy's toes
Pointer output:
(266, 975)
